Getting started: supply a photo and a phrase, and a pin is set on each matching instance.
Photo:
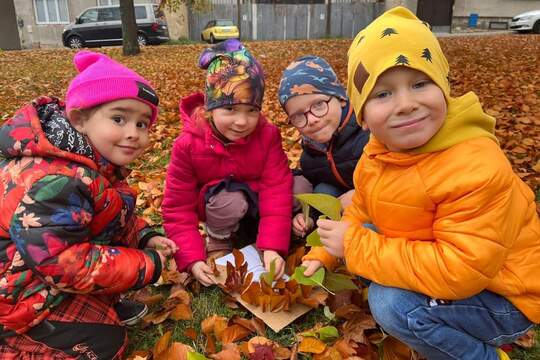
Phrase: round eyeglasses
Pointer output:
(317, 109)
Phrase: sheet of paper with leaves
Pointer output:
(328, 205)
(277, 305)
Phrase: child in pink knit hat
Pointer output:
(70, 242)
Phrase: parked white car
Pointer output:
(526, 22)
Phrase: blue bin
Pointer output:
(473, 20)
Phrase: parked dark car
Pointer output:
(101, 25)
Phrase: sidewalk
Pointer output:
(474, 33)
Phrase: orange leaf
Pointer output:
(234, 333)
(311, 345)
(191, 333)
(229, 352)
(177, 351)
(182, 312)
(162, 344)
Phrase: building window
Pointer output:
(51, 11)
(107, 2)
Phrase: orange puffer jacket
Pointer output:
(451, 223)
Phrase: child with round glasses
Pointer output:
(332, 141)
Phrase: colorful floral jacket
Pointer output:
(67, 223)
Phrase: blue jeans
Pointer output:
(324, 188)
(468, 329)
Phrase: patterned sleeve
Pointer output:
(51, 230)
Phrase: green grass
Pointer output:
(207, 303)
(180, 41)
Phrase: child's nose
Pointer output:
(406, 102)
(241, 119)
(132, 132)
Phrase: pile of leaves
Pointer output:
(270, 295)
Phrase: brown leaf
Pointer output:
(528, 340)
(394, 349)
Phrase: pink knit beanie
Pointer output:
(102, 80)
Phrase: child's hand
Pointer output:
(311, 266)
(166, 246)
(203, 273)
(332, 234)
(300, 226)
(271, 255)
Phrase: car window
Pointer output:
(140, 12)
(109, 14)
(89, 16)
(224, 23)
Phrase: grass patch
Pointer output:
(181, 41)
(207, 303)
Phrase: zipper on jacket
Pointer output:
(330, 155)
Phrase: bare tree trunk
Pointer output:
(239, 19)
(328, 16)
(130, 46)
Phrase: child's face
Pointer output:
(316, 116)
(236, 121)
(118, 129)
(405, 109)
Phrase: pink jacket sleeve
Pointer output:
(275, 197)
(179, 207)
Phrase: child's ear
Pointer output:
(77, 118)
(343, 103)
(365, 126)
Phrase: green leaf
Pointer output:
(326, 204)
(195, 356)
(53, 186)
(269, 276)
(328, 334)
(314, 239)
(314, 280)
(309, 334)
(338, 282)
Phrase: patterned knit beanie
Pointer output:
(396, 38)
(309, 75)
(234, 75)
(102, 80)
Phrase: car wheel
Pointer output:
(141, 39)
(75, 42)
(536, 27)
(212, 39)
(202, 38)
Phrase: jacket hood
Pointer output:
(465, 120)
(24, 136)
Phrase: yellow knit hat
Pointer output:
(396, 38)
